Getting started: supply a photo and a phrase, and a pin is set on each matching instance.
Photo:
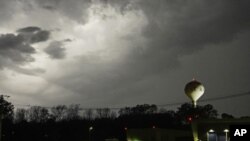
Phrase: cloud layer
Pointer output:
(117, 52)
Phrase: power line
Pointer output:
(226, 97)
(160, 105)
(209, 99)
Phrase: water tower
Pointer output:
(194, 90)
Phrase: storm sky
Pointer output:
(116, 53)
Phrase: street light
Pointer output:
(226, 132)
(211, 131)
(90, 129)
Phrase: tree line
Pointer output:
(73, 112)
(67, 123)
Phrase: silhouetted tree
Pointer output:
(73, 111)
(113, 115)
(58, 113)
(103, 112)
(105, 126)
(7, 109)
(125, 111)
(138, 110)
(208, 111)
(245, 117)
(20, 115)
(144, 109)
(88, 114)
(168, 112)
(226, 116)
(38, 114)
(188, 111)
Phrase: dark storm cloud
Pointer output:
(177, 28)
(185, 27)
(189, 25)
(17, 50)
(34, 34)
(56, 50)
(40, 36)
(173, 29)
(153, 49)
(29, 29)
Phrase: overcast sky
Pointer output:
(116, 53)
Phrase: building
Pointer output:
(215, 129)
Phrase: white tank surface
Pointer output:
(194, 90)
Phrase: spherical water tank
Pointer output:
(194, 90)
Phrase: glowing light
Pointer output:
(226, 130)
(91, 128)
(211, 131)
(190, 119)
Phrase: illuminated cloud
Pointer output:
(117, 52)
